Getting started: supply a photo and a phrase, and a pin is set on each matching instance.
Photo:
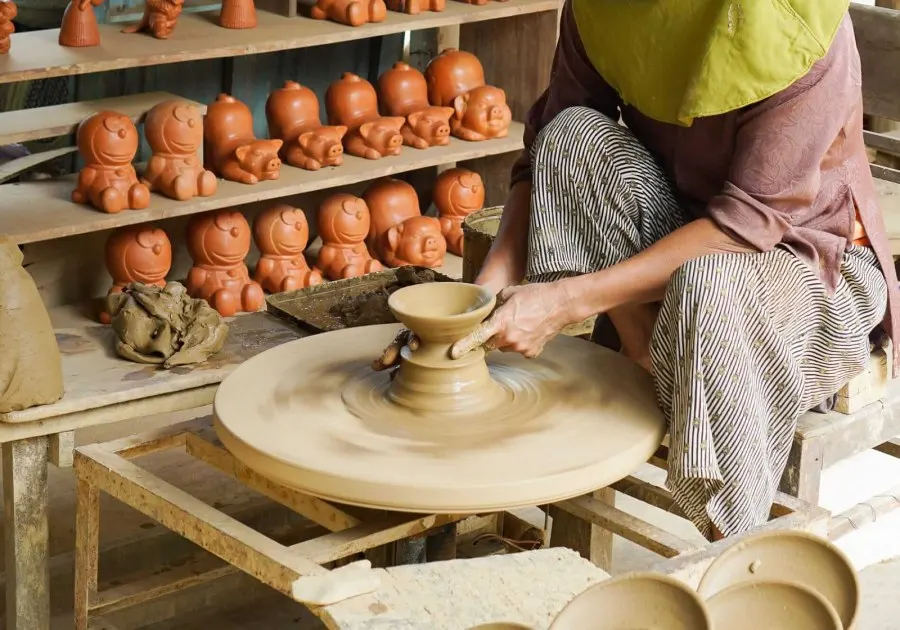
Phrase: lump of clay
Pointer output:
(160, 17)
(137, 253)
(414, 7)
(174, 131)
(451, 73)
(402, 91)
(79, 25)
(230, 148)
(108, 142)
(218, 243)
(164, 326)
(293, 116)
(281, 234)
(352, 102)
(8, 12)
(31, 367)
(349, 12)
(237, 14)
(343, 225)
(481, 114)
(458, 192)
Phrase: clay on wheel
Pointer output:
(760, 604)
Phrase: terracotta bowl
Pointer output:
(443, 311)
(638, 600)
(802, 558)
(770, 604)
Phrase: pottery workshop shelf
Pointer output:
(37, 211)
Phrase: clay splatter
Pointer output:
(73, 344)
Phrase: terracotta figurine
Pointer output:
(231, 150)
(237, 14)
(159, 18)
(218, 243)
(415, 241)
(479, 2)
(352, 102)
(390, 201)
(8, 12)
(293, 116)
(451, 73)
(79, 24)
(137, 253)
(108, 143)
(481, 114)
(174, 131)
(281, 234)
(349, 12)
(458, 192)
(414, 7)
(402, 91)
(343, 225)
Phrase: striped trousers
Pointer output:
(744, 343)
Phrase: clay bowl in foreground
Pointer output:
(638, 600)
(771, 604)
(802, 558)
(441, 311)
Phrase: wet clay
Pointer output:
(31, 369)
(79, 25)
(414, 7)
(349, 12)
(352, 102)
(458, 192)
(159, 19)
(403, 91)
(238, 14)
(370, 308)
(230, 148)
(293, 116)
(451, 73)
(763, 604)
(164, 326)
(281, 234)
(343, 225)
(139, 253)
(481, 114)
(8, 13)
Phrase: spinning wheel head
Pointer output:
(441, 311)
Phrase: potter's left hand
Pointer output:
(526, 318)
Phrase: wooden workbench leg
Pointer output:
(441, 544)
(25, 502)
(591, 541)
(87, 538)
(802, 475)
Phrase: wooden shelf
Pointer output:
(43, 210)
(37, 55)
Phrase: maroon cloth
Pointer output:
(789, 170)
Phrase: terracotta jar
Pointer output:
(108, 142)
(159, 19)
(481, 114)
(414, 7)
(79, 25)
(230, 148)
(390, 201)
(237, 14)
(8, 12)
(281, 234)
(402, 91)
(349, 12)
(174, 131)
(218, 243)
(458, 192)
(137, 253)
(415, 241)
(343, 225)
(293, 116)
(451, 73)
(352, 102)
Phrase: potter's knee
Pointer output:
(574, 127)
(694, 280)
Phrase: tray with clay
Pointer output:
(348, 303)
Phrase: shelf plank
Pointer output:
(43, 210)
(37, 55)
(59, 120)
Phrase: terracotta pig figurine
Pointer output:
(174, 131)
(293, 116)
(8, 13)
(451, 73)
(481, 114)
(414, 7)
(231, 150)
(108, 142)
(79, 25)
(218, 243)
(281, 234)
(458, 192)
(159, 18)
(349, 12)
(390, 201)
(343, 225)
(352, 102)
(402, 91)
(415, 241)
(137, 253)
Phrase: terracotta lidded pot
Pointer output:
(458, 192)
(137, 253)
(352, 102)
(281, 234)
(343, 222)
(292, 113)
(79, 25)
(451, 73)
(231, 150)
(8, 13)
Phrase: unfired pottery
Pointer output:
(159, 19)
(174, 131)
(31, 368)
(352, 102)
(458, 192)
(108, 142)
(237, 14)
(281, 234)
(769, 604)
(343, 226)
(390, 201)
(803, 558)
(414, 7)
(79, 25)
(137, 253)
(402, 91)
(8, 12)
(415, 241)
(218, 243)
(481, 114)
(349, 12)
(230, 148)
(451, 73)
(293, 116)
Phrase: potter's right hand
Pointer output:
(391, 355)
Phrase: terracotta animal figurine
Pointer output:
(390, 201)
(79, 25)
(414, 7)
(349, 12)
(415, 241)
(343, 225)
(108, 143)
(451, 73)
(31, 369)
(230, 148)
(458, 192)
(174, 131)
(281, 234)
(8, 13)
(237, 14)
(218, 243)
(481, 114)
(159, 18)
(403, 91)
(352, 102)
(293, 116)
(137, 253)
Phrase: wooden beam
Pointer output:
(878, 40)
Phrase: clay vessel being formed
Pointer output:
(458, 192)
(237, 14)
(218, 243)
(352, 102)
(174, 131)
(402, 91)
(774, 604)
(343, 222)
(79, 25)
(293, 116)
(349, 12)
(414, 7)
(8, 12)
(451, 73)
(481, 114)
(281, 234)
(230, 148)
(159, 19)
(108, 142)
(137, 253)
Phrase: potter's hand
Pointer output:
(391, 355)
(526, 318)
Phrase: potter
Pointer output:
(403, 91)
(281, 234)
(451, 73)
(349, 12)
(230, 148)
(481, 114)
(293, 116)
(8, 12)
(79, 25)
(137, 253)
(160, 17)
(352, 102)
(343, 226)
(458, 192)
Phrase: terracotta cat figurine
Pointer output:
(8, 13)
(79, 25)
(414, 7)
(281, 234)
(137, 253)
(458, 192)
(160, 17)
(293, 116)
(481, 114)
(403, 91)
(349, 12)
(343, 225)
(352, 102)
(231, 150)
